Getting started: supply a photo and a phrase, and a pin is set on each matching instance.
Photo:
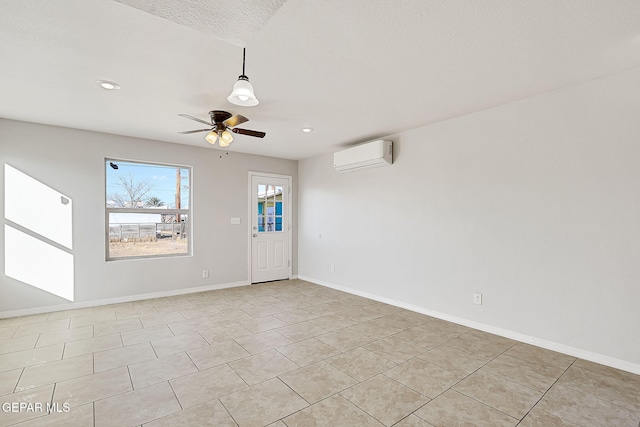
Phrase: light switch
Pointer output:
(235, 221)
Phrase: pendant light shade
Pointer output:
(242, 93)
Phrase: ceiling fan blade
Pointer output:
(195, 131)
(235, 120)
(186, 116)
(249, 132)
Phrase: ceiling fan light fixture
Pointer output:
(221, 127)
(225, 138)
(211, 137)
(242, 93)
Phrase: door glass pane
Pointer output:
(270, 217)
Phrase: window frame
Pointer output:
(181, 211)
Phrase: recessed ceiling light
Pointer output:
(307, 130)
(105, 84)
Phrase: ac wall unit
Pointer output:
(368, 155)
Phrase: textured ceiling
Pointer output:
(232, 21)
(352, 70)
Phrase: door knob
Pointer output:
(255, 235)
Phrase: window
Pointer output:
(269, 208)
(148, 210)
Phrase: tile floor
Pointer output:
(292, 353)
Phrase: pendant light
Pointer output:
(242, 93)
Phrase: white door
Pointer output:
(270, 228)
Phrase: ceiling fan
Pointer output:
(220, 128)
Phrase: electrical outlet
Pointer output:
(205, 273)
(333, 268)
(477, 298)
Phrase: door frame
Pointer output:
(289, 179)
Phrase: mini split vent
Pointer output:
(368, 155)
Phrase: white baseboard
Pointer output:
(549, 345)
(129, 298)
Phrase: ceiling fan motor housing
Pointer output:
(218, 116)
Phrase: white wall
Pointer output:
(72, 162)
(536, 204)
